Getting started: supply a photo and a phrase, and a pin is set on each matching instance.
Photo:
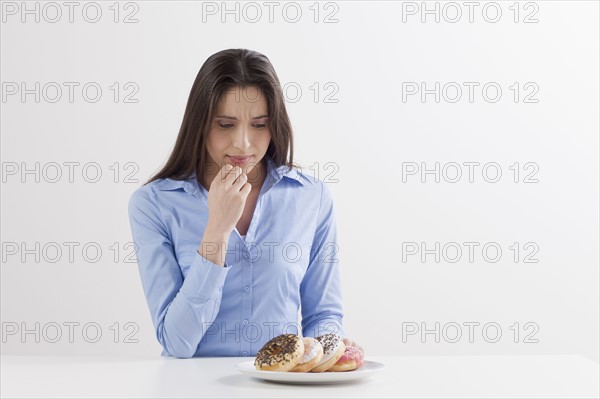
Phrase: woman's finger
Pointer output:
(232, 176)
(240, 181)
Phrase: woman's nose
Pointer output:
(241, 139)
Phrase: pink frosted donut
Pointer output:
(350, 360)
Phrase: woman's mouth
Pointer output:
(239, 160)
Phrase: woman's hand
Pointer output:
(350, 342)
(226, 199)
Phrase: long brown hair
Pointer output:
(221, 72)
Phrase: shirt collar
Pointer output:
(190, 184)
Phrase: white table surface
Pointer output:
(405, 376)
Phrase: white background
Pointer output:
(370, 134)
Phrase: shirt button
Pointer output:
(247, 288)
(244, 353)
(245, 322)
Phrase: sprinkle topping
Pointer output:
(279, 349)
(330, 342)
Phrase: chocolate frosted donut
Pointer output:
(333, 349)
(281, 353)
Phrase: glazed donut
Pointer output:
(350, 360)
(333, 349)
(281, 353)
(313, 353)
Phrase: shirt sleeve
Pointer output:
(320, 289)
(181, 309)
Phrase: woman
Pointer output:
(232, 240)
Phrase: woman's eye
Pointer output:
(229, 125)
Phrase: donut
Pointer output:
(313, 353)
(350, 360)
(333, 349)
(281, 353)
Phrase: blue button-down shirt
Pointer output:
(283, 277)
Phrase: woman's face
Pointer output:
(239, 133)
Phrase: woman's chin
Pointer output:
(247, 168)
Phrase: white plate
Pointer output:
(367, 369)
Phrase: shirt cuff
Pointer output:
(204, 278)
(326, 326)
